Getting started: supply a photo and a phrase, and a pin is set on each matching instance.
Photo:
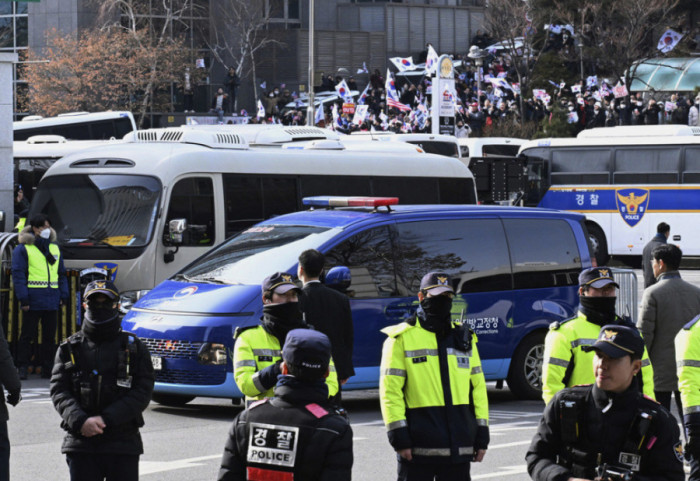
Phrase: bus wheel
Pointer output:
(525, 373)
(599, 244)
(171, 399)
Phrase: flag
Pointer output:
(364, 68)
(319, 114)
(669, 106)
(575, 89)
(244, 113)
(562, 85)
(668, 40)
(261, 110)
(344, 91)
(592, 81)
(360, 114)
(392, 98)
(363, 96)
(431, 61)
(539, 93)
(572, 117)
(336, 117)
(199, 63)
(620, 91)
(263, 85)
(500, 82)
(403, 64)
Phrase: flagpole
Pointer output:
(310, 110)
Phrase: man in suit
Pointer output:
(666, 307)
(327, 311)
(663, 230)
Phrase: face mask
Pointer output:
(279, 319)
(45, 234)
(599, 310)
(622, 106)
(436, 313)
(571, 109)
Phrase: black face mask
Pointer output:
(435, 313)
(599, 310)
(279, 319)
(101, 324)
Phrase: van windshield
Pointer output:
(256, 253)
(94, 210)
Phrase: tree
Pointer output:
(101, 70)
(238, 33)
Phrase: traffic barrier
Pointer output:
(627, 297)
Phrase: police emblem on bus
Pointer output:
(110, 267)
(632, 204)
(184, 292)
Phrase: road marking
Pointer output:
(153, 467)
(508, 445)
(503, 471)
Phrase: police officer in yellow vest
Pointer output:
(41, 287)
(688, 362)
(566, 364)
(257, 353)
(429, 368)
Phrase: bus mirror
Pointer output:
(177, 228)
(338, 278)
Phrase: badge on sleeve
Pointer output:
(678, 451)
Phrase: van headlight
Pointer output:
(212, 353)
(129, 298)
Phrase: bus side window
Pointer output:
(193, 199)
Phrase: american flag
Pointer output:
(392, 98)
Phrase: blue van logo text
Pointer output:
(632, 204)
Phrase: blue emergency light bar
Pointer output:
(340, 201)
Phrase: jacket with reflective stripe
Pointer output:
(254, 350)
(563, 356)
(39, 272)
(424, 392)
(688, 362)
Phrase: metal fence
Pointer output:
(627, 297)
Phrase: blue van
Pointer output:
(515, 271)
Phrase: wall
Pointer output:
(6, 171)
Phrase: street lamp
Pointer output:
(310, 109)
(580, 50)
(477, 54)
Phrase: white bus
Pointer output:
(439, 144)
(77, 126)
(626, 180)
(112, 206)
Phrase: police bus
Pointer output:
(145, 208)
(77, 125)
(626, 180)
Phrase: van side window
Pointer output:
(369, 256)
(544, 253)
(193, 199)
(472, 251)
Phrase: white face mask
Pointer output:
(45, 234)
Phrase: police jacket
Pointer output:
(425, 385)
(688, 362)
(566, 364)
(256, 358)
(113, 379)
(39, 284)
(620, 430)
(294, 432)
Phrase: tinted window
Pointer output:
(581, 160)
(193, 199)
(72, 131)
(328, 185)
(369, 256)
(473, 251)
(409, 190)
(457, 191)
(103, 130)
(502, 150)
(544, 253)
(242, 202)
(448, 149)
(122, 126)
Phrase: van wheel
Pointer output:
(599, 244)
(171, 399)
(525, 373)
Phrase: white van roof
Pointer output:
(269, 134)
(639, 131)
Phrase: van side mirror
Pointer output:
(338, 278)
(177, 227)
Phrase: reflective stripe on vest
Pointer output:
(41, 274)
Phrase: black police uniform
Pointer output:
(102, 371)
(618, 430)
(294, 435)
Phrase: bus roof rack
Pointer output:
(640, 131)
(46, 139)
(331, 201)
(206, 137)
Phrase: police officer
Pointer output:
(435, 432)
(102, 381)
(256, 352)
(40, 285)
(593, 431)
(296, 434)
(566, 364)
(688, 362)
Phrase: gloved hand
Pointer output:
(482, 437)
(14, 398)
(692, 447)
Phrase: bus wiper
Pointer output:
(206, 280)
(100, 242)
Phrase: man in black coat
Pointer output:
(296, 434)
(607, 424)
(10, 381)
(101, 383)
(327, 311)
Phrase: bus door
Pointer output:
(499, 180)
(192, 199)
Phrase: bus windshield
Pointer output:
(255, 253)
(89, 210)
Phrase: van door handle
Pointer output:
(676, 238)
